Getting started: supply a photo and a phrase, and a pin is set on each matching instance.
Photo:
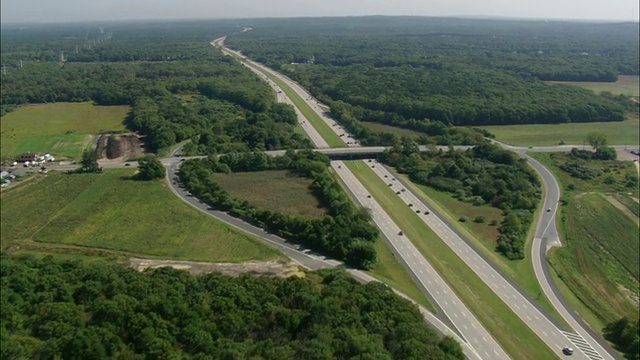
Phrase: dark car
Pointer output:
(567, 351)
(400, 233)
(127, 164)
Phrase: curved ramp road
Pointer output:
(472, 331)
(297, 253)
(546, 236)
(511, 296)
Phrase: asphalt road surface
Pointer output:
(473, 332)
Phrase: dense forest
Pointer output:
(456, 71)
(485, 174)
(77, 310)
(179, 86)
(345, 233)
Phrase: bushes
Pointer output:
(580, 170)
(344, 233)
(484, 174)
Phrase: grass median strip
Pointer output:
(511, 332)
(520, 271)
(389, 270)
(323, 129)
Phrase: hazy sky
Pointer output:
(81, 10)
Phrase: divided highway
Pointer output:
(473, 333)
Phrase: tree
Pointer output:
(150, 168)
(89, 162)
(596, 139)
(605, 153)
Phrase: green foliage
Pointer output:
(485, 172)
(596, 139)
(345, 232)
(625, 334)
(75, 310)
(605, 153)
(580, 170)
(149, 168)
(480, 219)
(89, 162)
(418, 71)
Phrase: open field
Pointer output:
(111, 212)
(598, 263)
(513, 334)
(626, 85)
(323, 129)
(624, 132)
(60, 128)
(278, 190)
(377, 127)
(483, 237)
(389, 270)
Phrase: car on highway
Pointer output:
(567, 351)
(400, 233)
(127, 164)
(548, 209)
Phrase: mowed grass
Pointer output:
(483, 237)
(277, 190)
(380, 128)
(332, 139)
(597, 266)
(512, 333)
(60, 128)
(122, 216)
(389, 270)
(626, 85)
(624, 132)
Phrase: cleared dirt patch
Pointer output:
(118, 147)
(259, 268)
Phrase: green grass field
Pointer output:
(597, 268)
(59, 128)
(110, 212)
(626, 85)
(513, 334)
(624, 132)
(278, 190)
(323, 129)
(377, 127)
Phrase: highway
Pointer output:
(315, 105)
(545, 237)
(306, 257)
(428, 278)
(478, 343)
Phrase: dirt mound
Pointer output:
(118, 147)
(279, 268)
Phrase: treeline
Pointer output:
(345, 232)
(456, 71)
(432, 132)
(456, 95)
(200, 95)
(485, 174)
(79, 310)
(625, 335)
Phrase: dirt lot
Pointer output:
(118, 147)
(259, 268)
